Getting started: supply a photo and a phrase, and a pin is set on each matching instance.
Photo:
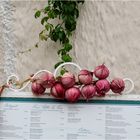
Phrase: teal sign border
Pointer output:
(50, 100)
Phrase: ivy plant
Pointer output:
(66, 14)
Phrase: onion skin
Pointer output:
(101, 72)
(85, 77)
(37, 88)
(88, 91)
(68, 80)
(58, 91)
(47, 79)
(102, 87)
(117, 85)
(72, 94)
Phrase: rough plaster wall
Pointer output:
(107, 31)
(110, 32)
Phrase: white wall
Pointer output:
(107, 31)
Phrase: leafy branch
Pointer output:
(66, 12)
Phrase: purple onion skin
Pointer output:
(102, 87)
(47, 79)
(68, 80)
(58, 91)
(88, 91)
(72, 94)
(101, 72)
(117, 85)
(37, 89)
(85, 77)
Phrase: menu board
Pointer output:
(51, 119)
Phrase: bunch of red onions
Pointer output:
(87, 85)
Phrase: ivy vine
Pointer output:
(67, 13)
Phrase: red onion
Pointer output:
(58, 91)
(68, 80)
(101, 72)
(37, 88)
(102, 87)
(88, 91)
(47, 79)
(72, 94)
(117, 85)
(85, 77)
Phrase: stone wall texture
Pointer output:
(107, 32)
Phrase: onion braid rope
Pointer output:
(29, 80)
(9, 84)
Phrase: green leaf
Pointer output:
(50, 1)
(67, 47)
(47, 8)
(45, 19)
(70, 23)
(66, 40)
(73, 27)
(56, 11)
(59, 51)
(81, 1)
(52, 14)
(76, 12)
(69, 33)
(66, 58)
(54, 35)
(57, 28)
(62, 35)
(63, 52)
(37, 14)
(49, 27)
(68, 7)
(42, 36)
(67, 13)
(57, 64)
(57, 4)
(63, 71)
